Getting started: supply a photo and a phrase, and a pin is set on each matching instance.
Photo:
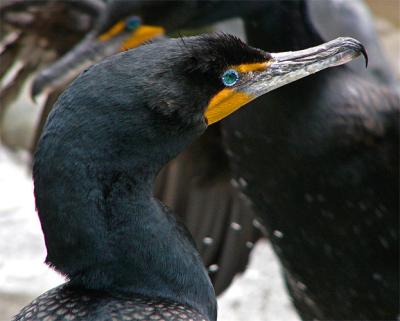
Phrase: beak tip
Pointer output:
(365, 54)
(359, 47)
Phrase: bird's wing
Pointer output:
(197, 186)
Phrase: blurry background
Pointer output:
(257, 294)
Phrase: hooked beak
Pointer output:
(278, 70)
(286, 67)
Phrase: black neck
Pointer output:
(103, 228)
(151, 253)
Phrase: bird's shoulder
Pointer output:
(68, 303)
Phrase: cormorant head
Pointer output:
(130, 33)
(209, 77)
(203, 79)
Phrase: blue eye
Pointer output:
(230, 77)
(132, 23)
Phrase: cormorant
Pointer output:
(124, 253)
(340, 214)
(210, 206)
(124, 34)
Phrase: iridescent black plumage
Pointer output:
(107, 137)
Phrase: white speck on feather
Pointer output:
(208, 240)
(236, 226)
(278, 234)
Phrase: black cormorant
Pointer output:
(329, 195)
(124, 253)
(124, 34)
(210, 206)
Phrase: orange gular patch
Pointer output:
(114, 30)
(141, 35)
(225, 103)
(138, 36)
(229, 100)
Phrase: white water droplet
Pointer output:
(208, 240)
(249, 244)
(242, 182)
(234, 183)
(278, 234)
(236, 226)
(301, 285)
(213, 268)
(259, 226)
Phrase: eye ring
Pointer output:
(230, 77)
(132, 23)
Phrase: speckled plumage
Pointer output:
(65, 303)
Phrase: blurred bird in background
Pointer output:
(316, 171)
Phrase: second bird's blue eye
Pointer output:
(230, 77)
(132, 23)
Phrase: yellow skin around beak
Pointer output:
(137, 37)
(278, 70)
(229, 100)
(225, 103)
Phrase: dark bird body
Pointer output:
(93, 172)
(326, 180)
(329, 193)
(123, 252)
